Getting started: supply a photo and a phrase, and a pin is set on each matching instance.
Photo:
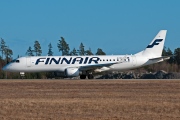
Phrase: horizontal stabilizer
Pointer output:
(161, 58)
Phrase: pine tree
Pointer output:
(169, 53)
(100, 52)
(29, 51)
(164, 52)
(2, 47)
(73, 52)
(63, 47)
(50, 53)
(177, 56)
(89, 52)
(37, 48)
(81, 49)
(8, 53)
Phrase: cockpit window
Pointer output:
(17, 61)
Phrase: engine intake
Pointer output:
(72, 72)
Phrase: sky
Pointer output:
(115, 26)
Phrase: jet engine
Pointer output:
(72, 72)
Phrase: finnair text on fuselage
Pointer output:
(70, 60)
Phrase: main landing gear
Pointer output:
(82, 76)
(90, 76)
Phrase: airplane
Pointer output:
(86, 66)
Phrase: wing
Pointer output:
(97, 66)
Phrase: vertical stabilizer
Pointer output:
(155, 48)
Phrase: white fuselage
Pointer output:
(60, 63)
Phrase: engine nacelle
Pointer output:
(72, 72)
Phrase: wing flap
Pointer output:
(96, 66)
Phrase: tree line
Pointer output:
(175, 56)
(63, 47)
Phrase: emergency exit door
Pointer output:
(134, 60)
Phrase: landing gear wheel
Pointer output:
(82, 76)
(90, 76)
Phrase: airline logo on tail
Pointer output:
(156, 42)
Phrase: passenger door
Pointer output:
(28, 61)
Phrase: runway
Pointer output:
(90, 99)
